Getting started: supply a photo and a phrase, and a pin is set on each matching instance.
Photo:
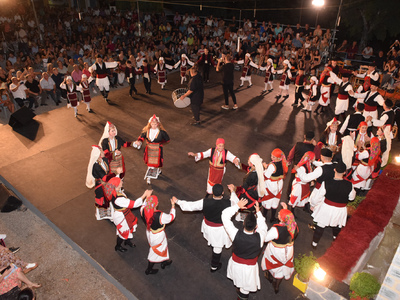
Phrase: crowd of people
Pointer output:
(86, 53)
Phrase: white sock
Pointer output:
(76, 110)
(265, 86)
(88, 105)
(182, 80)
(242, 82)
(250, 81)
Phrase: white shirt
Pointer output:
(20, 92)
(47, 84)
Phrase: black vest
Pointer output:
(284, 236)
(278, 170)
(355, 120)
(223, 155)
(246, 246)
(338, 190)
(328, 172)
(342, 89)
(156, 225)
(212, 209)
(101, 69)
(390, 114)
(369, 100)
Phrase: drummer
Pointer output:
(195, 93)
(176, 97)
(184, 61)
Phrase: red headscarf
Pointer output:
(287, 219)
(220, 141)
(110, 186)
(151, 204)
(278, 153)
(306, 160)
(363, 123)
(374, 151)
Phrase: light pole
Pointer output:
(335, 29)
(318, 4)
(37, 21)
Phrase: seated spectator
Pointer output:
(343, 47)
(352, 50)
(5, 100)
(367, 52)
(318, 31)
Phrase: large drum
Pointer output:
(176, 95)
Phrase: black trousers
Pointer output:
(147, 84)
(299, 94)
(206, 72)
(289, 188)
(132, 86)
(228, 89)
(196, 111)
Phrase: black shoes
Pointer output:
(166, 263)
(217, 268)
(130, 244)
(151, 271)
(195, 123)
(14, 249)
(120, 249)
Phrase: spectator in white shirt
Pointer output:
(48, 87)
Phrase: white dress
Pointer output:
(273, 188)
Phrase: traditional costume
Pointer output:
(300, 82)
(217, 160)
(212, 227)
(110, 145)
(362, 138)
(285, 79)
(274, 175)
(269, 75)
(301, 189)
(331, 139)
(242, 266)
(123, 218)
(98, 174)
(342, 101)
(102, 81)
(352, 122)
(246, 71)
(367, 76)
(155, 221)
(161, 71)
(253, 187)
(153, 152)
(371, 100)
(85, 90)
(183, 62)
(72, 96)
(314, 94)
(325, 81)
(206, 61)
(333, 212)
(278, 255)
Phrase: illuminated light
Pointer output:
(397, 159)
(319, 274)
(318, 3)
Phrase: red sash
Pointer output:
(342, 97)
(212, 224)
(270, 265)
(335, 204)
(239, 260)
(101, 76)
(369, 108)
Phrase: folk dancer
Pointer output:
(300, 82)
(371, 74)
(247, 243)
(371, 99)
(368, 164)
(342, 101)
(72, 96)
(362, 138)
(218, 157)
(206, 60)
(183, 62)
(332, 212)
(274, 174)
(98, 174)
(85, 90)
(314, 94)
(331, 138)
(130, 75)
(285, 80)
(253, 187)
(387, 116)
(385, 137)
(102, 81)
(277, 261)
(325, 81)
(212, 227)
(301, 189)
(323, 172)
(123, 218)
(155, 136)
(145, 71)
(111, 144)
(246, 71)
(352, 121)
(161, 71)
(269, 75)
(155, 221)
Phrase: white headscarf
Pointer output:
(94, 155)
(256, 160)
(286, 62)
(315, 79)
(347, 151)
(106, 132)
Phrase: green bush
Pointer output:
(356, 202)
(305, 265)
(364, 285)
